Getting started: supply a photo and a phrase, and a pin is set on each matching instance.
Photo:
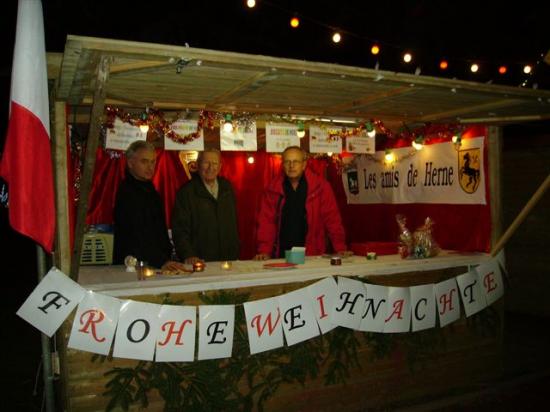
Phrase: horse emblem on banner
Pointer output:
(469, 169)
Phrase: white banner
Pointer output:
(319, 141)
(242, 138)
(51, 302)
(122, 135)
(136, 334)
(279, 136)
(299, 322)
(263, 322)
(176, 334)
(184, 128)
(95, 323)
(171, 330)
(439, 173)
(217, 323)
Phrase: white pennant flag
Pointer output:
(95, 323)
(136, 333)
(422, 307)
(263, 322)
(349, 304)
(322, 295)
(448, 303)
(51, 302)
(217, 325)
(374, 315)
(473, 298)
(176, 334)
(299, 322)
(398, 310)
(490, 280)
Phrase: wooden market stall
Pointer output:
(93, 73)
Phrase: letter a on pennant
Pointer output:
(51, 302)
(263, 322)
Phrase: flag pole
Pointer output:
(45, 340)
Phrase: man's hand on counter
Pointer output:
(173, 265)
(261, 256)
(193, 259)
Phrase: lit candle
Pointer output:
(226, 265)
(198, 266)
(148, 272)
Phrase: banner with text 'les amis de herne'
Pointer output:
(439, 173)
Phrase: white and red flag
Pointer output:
(26, 161)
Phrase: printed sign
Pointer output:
(176, 334)
(185, 128)
(320, 140)
(217, 323)
(242, 138)
(361, 143)
(122, 134)
(439, 173)
(279, 136)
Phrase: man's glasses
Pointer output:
(292, 162)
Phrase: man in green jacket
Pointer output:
(204, 218)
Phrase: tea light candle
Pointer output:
(226, 265)
(336, 260)
(198, 266)
(148, 272)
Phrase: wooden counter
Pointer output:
(447, 361)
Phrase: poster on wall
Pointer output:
(185, 128)
(122, 135)
(361, 143)
(241, 138)
(279, 136)
(320, 140)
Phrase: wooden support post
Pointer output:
(89, 162)
(494, 139)
(60, 149)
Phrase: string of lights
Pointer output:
(475, 66)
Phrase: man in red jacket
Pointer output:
(298, 209)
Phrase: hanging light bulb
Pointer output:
(474, 68)
(329, 154)
(375, 49)
(502, 69)
(527, 69)
(418, 143)
(407, 57)
(443, 64)
(250, 159)
(250, 3)
(228, 124)
(144, 128)
(389, 156)
(336, 37)
(294, 22)
(457, 138)
(371, 132)
(301, 131)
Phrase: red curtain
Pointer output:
(457, 227)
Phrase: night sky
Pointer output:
(490, 33)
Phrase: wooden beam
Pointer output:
(63, 244)
(139, 67)
(469, 109)
(247, 86)
(89, 162)
(504, 119)
(494, 148)
(373, 98)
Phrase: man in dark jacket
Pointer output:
(204, 219)
(140, 226)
